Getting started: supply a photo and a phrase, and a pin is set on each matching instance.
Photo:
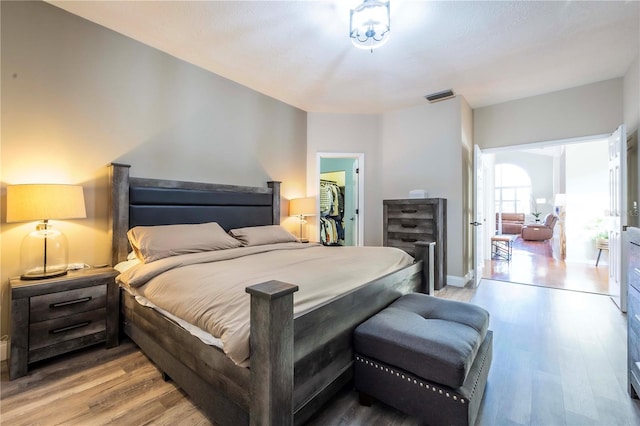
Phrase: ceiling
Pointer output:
(299, 51)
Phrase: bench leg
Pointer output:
(365, 399)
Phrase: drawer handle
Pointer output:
(69, 328)
(409, 240)
(410, 211)
(404, 225)
(69, 302)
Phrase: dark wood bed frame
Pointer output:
(297, 363)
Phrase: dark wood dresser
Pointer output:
(633, 310)
(409, 220)
(54, 316)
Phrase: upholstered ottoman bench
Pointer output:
(427, 357)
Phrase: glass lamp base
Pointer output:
(42, 276)
(43, 253)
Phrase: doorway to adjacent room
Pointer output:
(571, 179)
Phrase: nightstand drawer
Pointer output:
(65, 303)
(46, 333)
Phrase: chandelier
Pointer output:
(370, 24)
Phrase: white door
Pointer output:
(478, 223)
(617, 216)
(355, 213)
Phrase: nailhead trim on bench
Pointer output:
(443, 392)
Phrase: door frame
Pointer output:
(359, 240)
(617, 220)
(479, 218)
(542, 144)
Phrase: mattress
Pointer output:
(207, 290)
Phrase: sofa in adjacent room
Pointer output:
(540, 232)
(512, 223)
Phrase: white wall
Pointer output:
(593, 109)
(541, 171)
(76, 97)
(587, 197)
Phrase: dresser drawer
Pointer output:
(411, 226)
(46, 333)
(634, 376)
(409, 211)
(633, 312)
(406, 242)
(633, 262)
(634, 351)
(65, 303)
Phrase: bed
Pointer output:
(298, 362)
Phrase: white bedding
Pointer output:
(207, 290)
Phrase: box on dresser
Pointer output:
(633, 310)
(406, 221)
(54, 316)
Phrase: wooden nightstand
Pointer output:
(54, 316)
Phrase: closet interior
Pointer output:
(332, 196)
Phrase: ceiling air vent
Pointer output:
(440, 96)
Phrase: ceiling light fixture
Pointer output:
(370, 24)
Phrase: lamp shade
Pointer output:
(31, 202)
(302, 206)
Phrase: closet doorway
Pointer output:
(340, 189)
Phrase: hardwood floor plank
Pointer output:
(538, 263)
(547, 405)
(559, 359)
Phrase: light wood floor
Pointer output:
(538, 263)
(559, 359)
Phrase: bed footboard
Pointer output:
(271, 353)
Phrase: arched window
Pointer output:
(513, 189)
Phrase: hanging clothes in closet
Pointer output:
(331, 213)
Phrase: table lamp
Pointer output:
(302, 207)
(43, 253)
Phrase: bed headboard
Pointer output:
(147, 202)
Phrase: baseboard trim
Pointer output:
(459, 281)
(3, 350)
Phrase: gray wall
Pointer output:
(631, 96)
(76, 96)
(422, 148)
(353, 134)
(413, 148)
(594, 109)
